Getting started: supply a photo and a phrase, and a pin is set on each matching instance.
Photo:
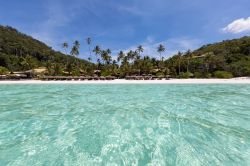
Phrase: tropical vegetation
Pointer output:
(226, 59)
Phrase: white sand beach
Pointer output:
(241, 80)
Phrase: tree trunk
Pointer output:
(179, 68)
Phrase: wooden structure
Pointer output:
(75, 78)
(145, 77)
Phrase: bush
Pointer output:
(3, 70)
(105, 73)
(75, 73)
(202, 75)
(160, 74)
(198, 75)
(223, 74)
(186, 75)
(207, 75)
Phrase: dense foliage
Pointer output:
(232, 56)
(19, 52)
(3, 70)
(222, 60)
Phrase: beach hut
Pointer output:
(102, 78)
(3, 77)
(17, 76)
(168, 77)
(97, 72)
(110, 78)
(128, 77)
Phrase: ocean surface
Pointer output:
(124, 125)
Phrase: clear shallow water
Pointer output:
(125, 125)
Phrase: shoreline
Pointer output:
(123, 81)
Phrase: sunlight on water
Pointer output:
(125, 125)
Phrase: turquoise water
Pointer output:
(124, 125)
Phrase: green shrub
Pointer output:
(160, 74)
(207, 75)
(198, 75)
(223, 74)
(105, 73)
(75, 73)
(186, 75)
(202, 75)
(3, 70)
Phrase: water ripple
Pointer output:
(124, 125)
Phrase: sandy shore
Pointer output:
(122, 81)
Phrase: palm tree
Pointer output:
(75, 49)
(98, 63)
(125, 66)
(161, 49)
(69, 68)
(140, 49)
(207, 61)
(179, 62)
(131, 55)
(27, 62)
(77, 44)
(106, 56)
(89, 59)
(189, 55)
(97, 51)
(147, 65)
(65, 46)
(108, 51)
(57, 69)
(114, 66)
(48, 65)
(88, 40)
(120, 56)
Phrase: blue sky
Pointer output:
(124, 24)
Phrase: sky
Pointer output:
(124, 24)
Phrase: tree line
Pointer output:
(226, 59)
(230, 58)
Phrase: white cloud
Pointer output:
(238, 26)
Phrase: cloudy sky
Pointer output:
(124, 24)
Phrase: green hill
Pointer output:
(232, 56)
(20, 52)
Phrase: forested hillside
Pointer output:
(232, 56)
(20, 52)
